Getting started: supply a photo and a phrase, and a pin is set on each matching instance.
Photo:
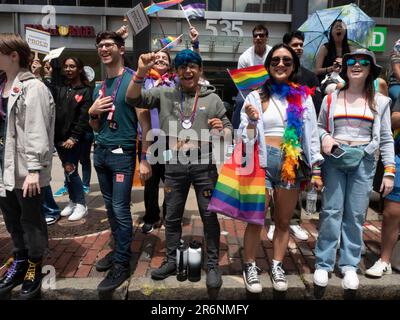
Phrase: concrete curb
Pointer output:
(300, 288)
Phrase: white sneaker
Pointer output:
(379, 269)
(79, 212)
(321, 277)
(350, 280)
(270, 234)
(298, 232)
(68, 209)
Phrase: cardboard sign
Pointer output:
(54, 54)
(38, 40)
(378, 41)
(138, 19)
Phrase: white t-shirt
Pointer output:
(249, 58)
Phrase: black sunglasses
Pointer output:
(287, 62)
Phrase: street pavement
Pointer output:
(76, 278)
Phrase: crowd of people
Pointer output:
(161, 111)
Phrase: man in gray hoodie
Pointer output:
(188, 114)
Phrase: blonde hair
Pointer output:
(10, 42)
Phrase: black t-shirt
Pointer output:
(4, 102)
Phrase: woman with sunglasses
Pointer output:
(329, 57)
(281, 118)
(73, 98)
(356, 119)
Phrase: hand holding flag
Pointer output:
(170, 42)
(155, 7)
(249, 78)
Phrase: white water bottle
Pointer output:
(194, 261)
(311, 204)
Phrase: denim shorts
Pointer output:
(275, 158)
(395, 194)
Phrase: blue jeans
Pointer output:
(115, 174)
(86, 145)
(394, 92)
(49, 206)
(74, 182)
(344, 204)
(395, 194)
(178, 179)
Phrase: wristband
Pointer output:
(137, 80)
(314, 177)
(195, 44)
(138, 77)
(390, 170)
(94, 116)
(143, 156)
(34, 171)
(253, 122)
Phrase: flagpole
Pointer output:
(184, 13)
(236, 85)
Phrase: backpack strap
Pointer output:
(329, 109)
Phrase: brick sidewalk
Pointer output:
(75, 257)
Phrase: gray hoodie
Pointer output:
(170, 102)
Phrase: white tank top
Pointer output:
(274, 118)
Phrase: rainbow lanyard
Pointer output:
(110, 116)
(184, 119)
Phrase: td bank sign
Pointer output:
(67, 31)
(378, 39)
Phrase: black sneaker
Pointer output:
(106, 262)
(32, 282)
(16, 269)
(114, 278)
(164, 271)
(250, 277)
(278, 277)
(214, 278)
(147, 228)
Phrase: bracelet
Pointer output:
(137, 80)
(94, 116)
(390, 170)
(138, 77)
(253, 122)
(195, 44)
(316, 177)
(34, 171)
(143, 156)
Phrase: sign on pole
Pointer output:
(378, 40)
(38, 40)
(138, 18)
(54, 54)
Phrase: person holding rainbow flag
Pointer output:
(281, 117)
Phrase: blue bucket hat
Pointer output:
(187, 56)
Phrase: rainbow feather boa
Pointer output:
(291, 144)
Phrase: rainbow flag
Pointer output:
(171, 42)
(249, 78)
(166, 41)
(240, 191)
(155, 7)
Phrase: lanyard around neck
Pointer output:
(110, 116)
(193, 114)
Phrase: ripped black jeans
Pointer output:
(178, 179)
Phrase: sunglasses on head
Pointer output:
(363, 62)
(287, 62)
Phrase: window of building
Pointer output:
(9, 1)
(314, 5)
(392, 8)
(248, 6)
(371, 7)
(273, 6)
(120, 3)
(34, 1)
(92, 3)
(336, 3)
(220, 5)
(64, 2)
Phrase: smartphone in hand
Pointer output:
(337, 151)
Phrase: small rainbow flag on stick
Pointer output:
(166, 41)
(155, 7)
(249, 78)
(171, 42)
